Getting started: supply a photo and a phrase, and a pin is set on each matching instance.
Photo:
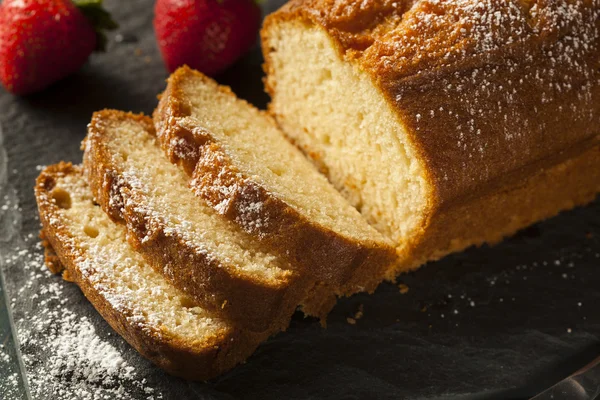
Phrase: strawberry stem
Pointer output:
(100, 19)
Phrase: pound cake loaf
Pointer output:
(203, 254)
(446, 123)
(241, 164)
(158, 320)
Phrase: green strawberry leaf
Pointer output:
(100, 19)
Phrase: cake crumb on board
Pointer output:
(357, 315)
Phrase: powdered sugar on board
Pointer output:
(66, 353)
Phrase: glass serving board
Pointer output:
(12, 372)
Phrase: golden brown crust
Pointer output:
(248, 302)
(197, 361)
(498, 98)
(344, 264)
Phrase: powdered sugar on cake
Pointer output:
(504, 72)
(228, 190)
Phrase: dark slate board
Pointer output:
(490, 323)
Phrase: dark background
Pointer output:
(490, 323)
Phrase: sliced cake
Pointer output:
(240, 163)
(202, 253)
(161, 322)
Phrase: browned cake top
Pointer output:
(486, 88)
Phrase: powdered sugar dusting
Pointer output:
(214, 180)
(63, 353)
(229, 191)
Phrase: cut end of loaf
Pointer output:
(332, 110)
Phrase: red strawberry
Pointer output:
(42, 41)
(208, 35)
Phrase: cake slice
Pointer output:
(241, 164)
(202, 253)
(158, 320)
(447, 123)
